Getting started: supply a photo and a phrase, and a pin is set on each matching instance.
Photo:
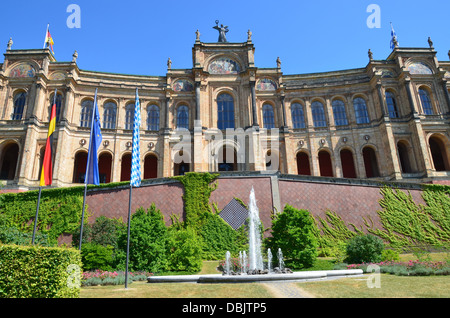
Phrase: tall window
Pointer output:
(426, 102)
(58, 102)
(340, 117)
(129, 116)
(109, 115)
(183, 117)
(318, 114)
(225, 111)
(298, 117)
(392, 105)
(86, 113)
(152, 117)
(361, 114)
(19, 104)
(268, 116)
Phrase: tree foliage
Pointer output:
(293, 232)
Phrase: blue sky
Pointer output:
(137, 37)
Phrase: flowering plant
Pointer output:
(100, 277)
(409, 268)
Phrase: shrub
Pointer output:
(389, 255)
(148, 241)
(12, 235)
(104, 231)
(185, 251)
(364, 249)
(96, 256)
(293, 232)
(39, 272)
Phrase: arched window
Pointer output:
(268, 116)
(348, 164)
(86, 113)
(325, 164)
(225, 111)
(79, 167)
(370, 162)
(129, 116)
(58, 102)
(109, 115)
(150, 166)
(153, 117)
(125, 167)
(318, 114)
(426, 102)
(403, 155)
(298, 116)
(105, 161)
(359, 104)
(9, 157)
(391, 105)
(340, 116)
(183, 117)
(19, 104)
(439, 154)
(303, 166)
(227, 160)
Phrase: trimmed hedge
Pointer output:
(39, 272)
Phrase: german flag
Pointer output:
(47, 173)
(49, 39)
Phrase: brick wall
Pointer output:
(352, 200)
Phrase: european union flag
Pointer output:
(135, 154)
(92, 175)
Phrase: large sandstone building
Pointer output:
(388, 120)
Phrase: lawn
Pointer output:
(391, 286)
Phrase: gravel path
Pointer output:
(287, 290)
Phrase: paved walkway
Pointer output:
(286, 290)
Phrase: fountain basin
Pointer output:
(219, 278)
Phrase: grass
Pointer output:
(177, 290)
(391, 286)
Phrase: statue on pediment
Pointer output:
(222, 31)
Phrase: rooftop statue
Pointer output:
(222, 31)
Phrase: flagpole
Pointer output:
(40, 183)
(46, 35)
(135, 173)
(87, 170)
(36, 216)
(128, 236)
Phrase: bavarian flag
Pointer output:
(47, 173)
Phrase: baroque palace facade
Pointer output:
(389, 120)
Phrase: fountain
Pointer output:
(269, 260)
(280, 259)
(227, 263)
(254, 261)
(254, 235)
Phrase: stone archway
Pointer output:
(9, 158)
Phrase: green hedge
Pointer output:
(39, 272)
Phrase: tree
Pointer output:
(293, 232)
(148, 241)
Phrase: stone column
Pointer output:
(283, 109)
(197, 101)
(446, 94)
(166, 115)
(254, 113)
(65, 111)
(414, 110)
(382, 102)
